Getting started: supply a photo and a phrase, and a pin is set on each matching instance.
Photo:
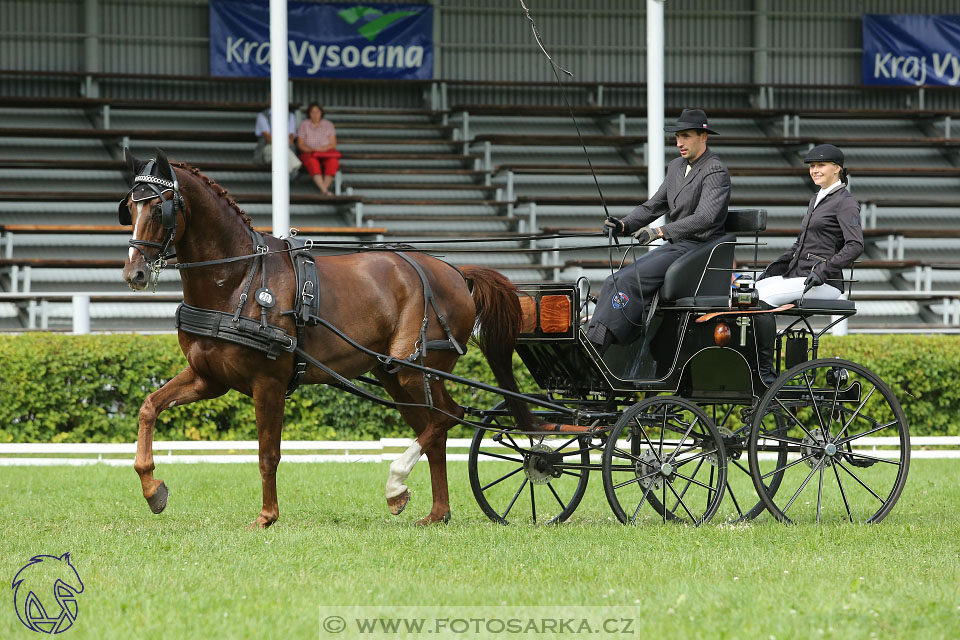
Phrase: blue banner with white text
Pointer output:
(911, 49)
(328, 40)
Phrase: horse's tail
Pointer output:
(499, 318)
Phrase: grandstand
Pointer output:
(478, 155)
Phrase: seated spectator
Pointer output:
(317, 144)
(263, 153)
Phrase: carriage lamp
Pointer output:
(555, 314)
(743, 294)
(721, 334)
(528, 307)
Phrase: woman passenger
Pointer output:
(830, 239)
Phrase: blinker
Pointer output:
(168, 213)
(124, 212)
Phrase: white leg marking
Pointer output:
(136, 225)
(400, 470)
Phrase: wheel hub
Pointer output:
(537, 465)
(712, 457)
(818, 447)
(649, 466)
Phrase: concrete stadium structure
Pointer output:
(488, 148)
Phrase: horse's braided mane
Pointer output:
(220, 191)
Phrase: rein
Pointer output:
(362, 246)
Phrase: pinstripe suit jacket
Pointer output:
(695, 205)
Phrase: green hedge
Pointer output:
(60, 388)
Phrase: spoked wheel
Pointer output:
(741, 502)
(536, 479)
(848, 443)
(664, 451)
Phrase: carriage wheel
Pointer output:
(665, 451)
(536, 479)
(831, 413)
(741, 502)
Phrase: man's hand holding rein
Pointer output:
(647, 235)
(614, 224)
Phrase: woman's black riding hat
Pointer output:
(824, 153)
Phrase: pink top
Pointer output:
(315, 137)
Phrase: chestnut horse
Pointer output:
(376, 298)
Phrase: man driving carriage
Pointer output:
(694, 197)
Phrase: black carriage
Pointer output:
(678, 419)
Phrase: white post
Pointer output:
(760, 55)
(280, 115)
(91, 46)
(655, 136)
(81, 314)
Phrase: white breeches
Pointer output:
(777, 290)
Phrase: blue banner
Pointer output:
(912, 49)
(329, 40)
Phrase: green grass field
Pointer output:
(196, 571)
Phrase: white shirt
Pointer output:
(823, 192)
(263, 123)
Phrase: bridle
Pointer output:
(150, 187)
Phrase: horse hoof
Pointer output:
(261, 523)
(158, 501)
(398, 503)
(428, 520)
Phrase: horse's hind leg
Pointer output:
(184, 388)
(431, 428)
(434, 443)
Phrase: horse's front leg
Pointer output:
(184, 388)
(268, 398)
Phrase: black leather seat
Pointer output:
(701, 277)
(700, 273)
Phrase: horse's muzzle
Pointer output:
(135, 277)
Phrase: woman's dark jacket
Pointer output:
(830, 239)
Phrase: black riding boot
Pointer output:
(765, 329)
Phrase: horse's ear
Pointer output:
(163, 165)
(135, 165)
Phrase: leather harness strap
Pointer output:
(273, 340)
(306, 304)
(423, 344)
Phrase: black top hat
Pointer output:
(691, 119)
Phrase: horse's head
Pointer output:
(155, 208)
